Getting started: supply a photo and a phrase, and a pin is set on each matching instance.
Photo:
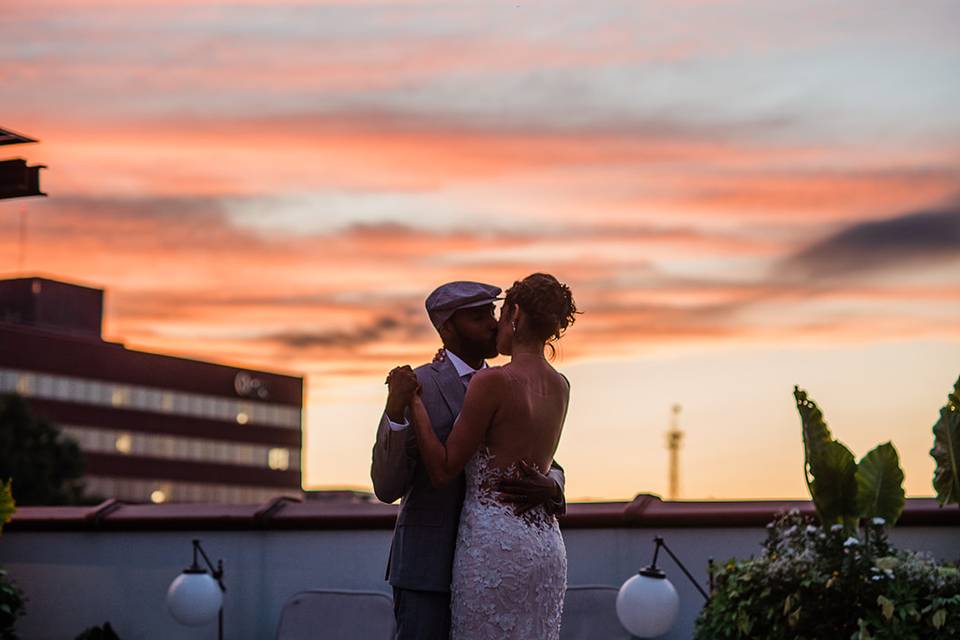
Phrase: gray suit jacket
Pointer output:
(425, 536)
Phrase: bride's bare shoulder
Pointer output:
(558, 375)
(487, 383)
(489, 374)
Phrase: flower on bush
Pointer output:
(811, 583)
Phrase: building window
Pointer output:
(124, 443)
(278, 459)
(95, 392)
(62, 389)
(45, 385)
(24, 384)
(119, 397)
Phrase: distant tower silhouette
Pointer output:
(674, 437)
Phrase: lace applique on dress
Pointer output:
(509, 571)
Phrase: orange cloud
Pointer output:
(182, 277)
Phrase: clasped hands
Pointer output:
(531, 489)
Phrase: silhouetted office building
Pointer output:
(152, 427)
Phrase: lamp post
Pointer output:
(196, 596)
(647, 604)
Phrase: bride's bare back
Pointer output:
(529, 414)
(516, 411)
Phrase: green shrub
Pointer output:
(7, 503)
(843, 490)
(11, 607)
(946, 450)
(811, 583)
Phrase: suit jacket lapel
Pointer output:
(451, 386)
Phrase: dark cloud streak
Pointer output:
(905, 241)
(371, 333)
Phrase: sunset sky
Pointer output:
(743, 196)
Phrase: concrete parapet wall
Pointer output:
(80, 567)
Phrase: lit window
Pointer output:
(158, 496)
(167, 403)
(124, 443)
(242, 418)
(119, 397)
(24, 384)
(278, 459)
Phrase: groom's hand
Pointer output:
(402, 385)
(530, 490)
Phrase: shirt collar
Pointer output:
(462, 367)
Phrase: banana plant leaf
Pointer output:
(815, 431)
(946, 450)
(7, 505)
(833, 485)
(829, 467)
(880, 485)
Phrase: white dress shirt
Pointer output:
(463, 369)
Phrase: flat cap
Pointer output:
(452, 296)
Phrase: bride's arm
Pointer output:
(444, 462)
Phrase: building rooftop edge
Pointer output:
(645, 511)
(53, 279)
(110, 343)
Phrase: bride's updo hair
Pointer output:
(547, 303)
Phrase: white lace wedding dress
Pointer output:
(509, 571)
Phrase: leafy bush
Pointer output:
(7, 503)
(843, 490)
(11, 607)
(835, 580)
(812, 582)
(946, 450)
(11, 598)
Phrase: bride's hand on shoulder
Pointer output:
(402, 385)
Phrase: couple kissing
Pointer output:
(477, 552)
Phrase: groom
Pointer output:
(421, 555)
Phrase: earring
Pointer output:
(514, 325)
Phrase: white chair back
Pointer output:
(590, 613)
(337, 614)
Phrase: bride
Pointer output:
(510, 568)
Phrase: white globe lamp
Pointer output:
(194, 598)
(647, 604)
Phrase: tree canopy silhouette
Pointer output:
(45, 465)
